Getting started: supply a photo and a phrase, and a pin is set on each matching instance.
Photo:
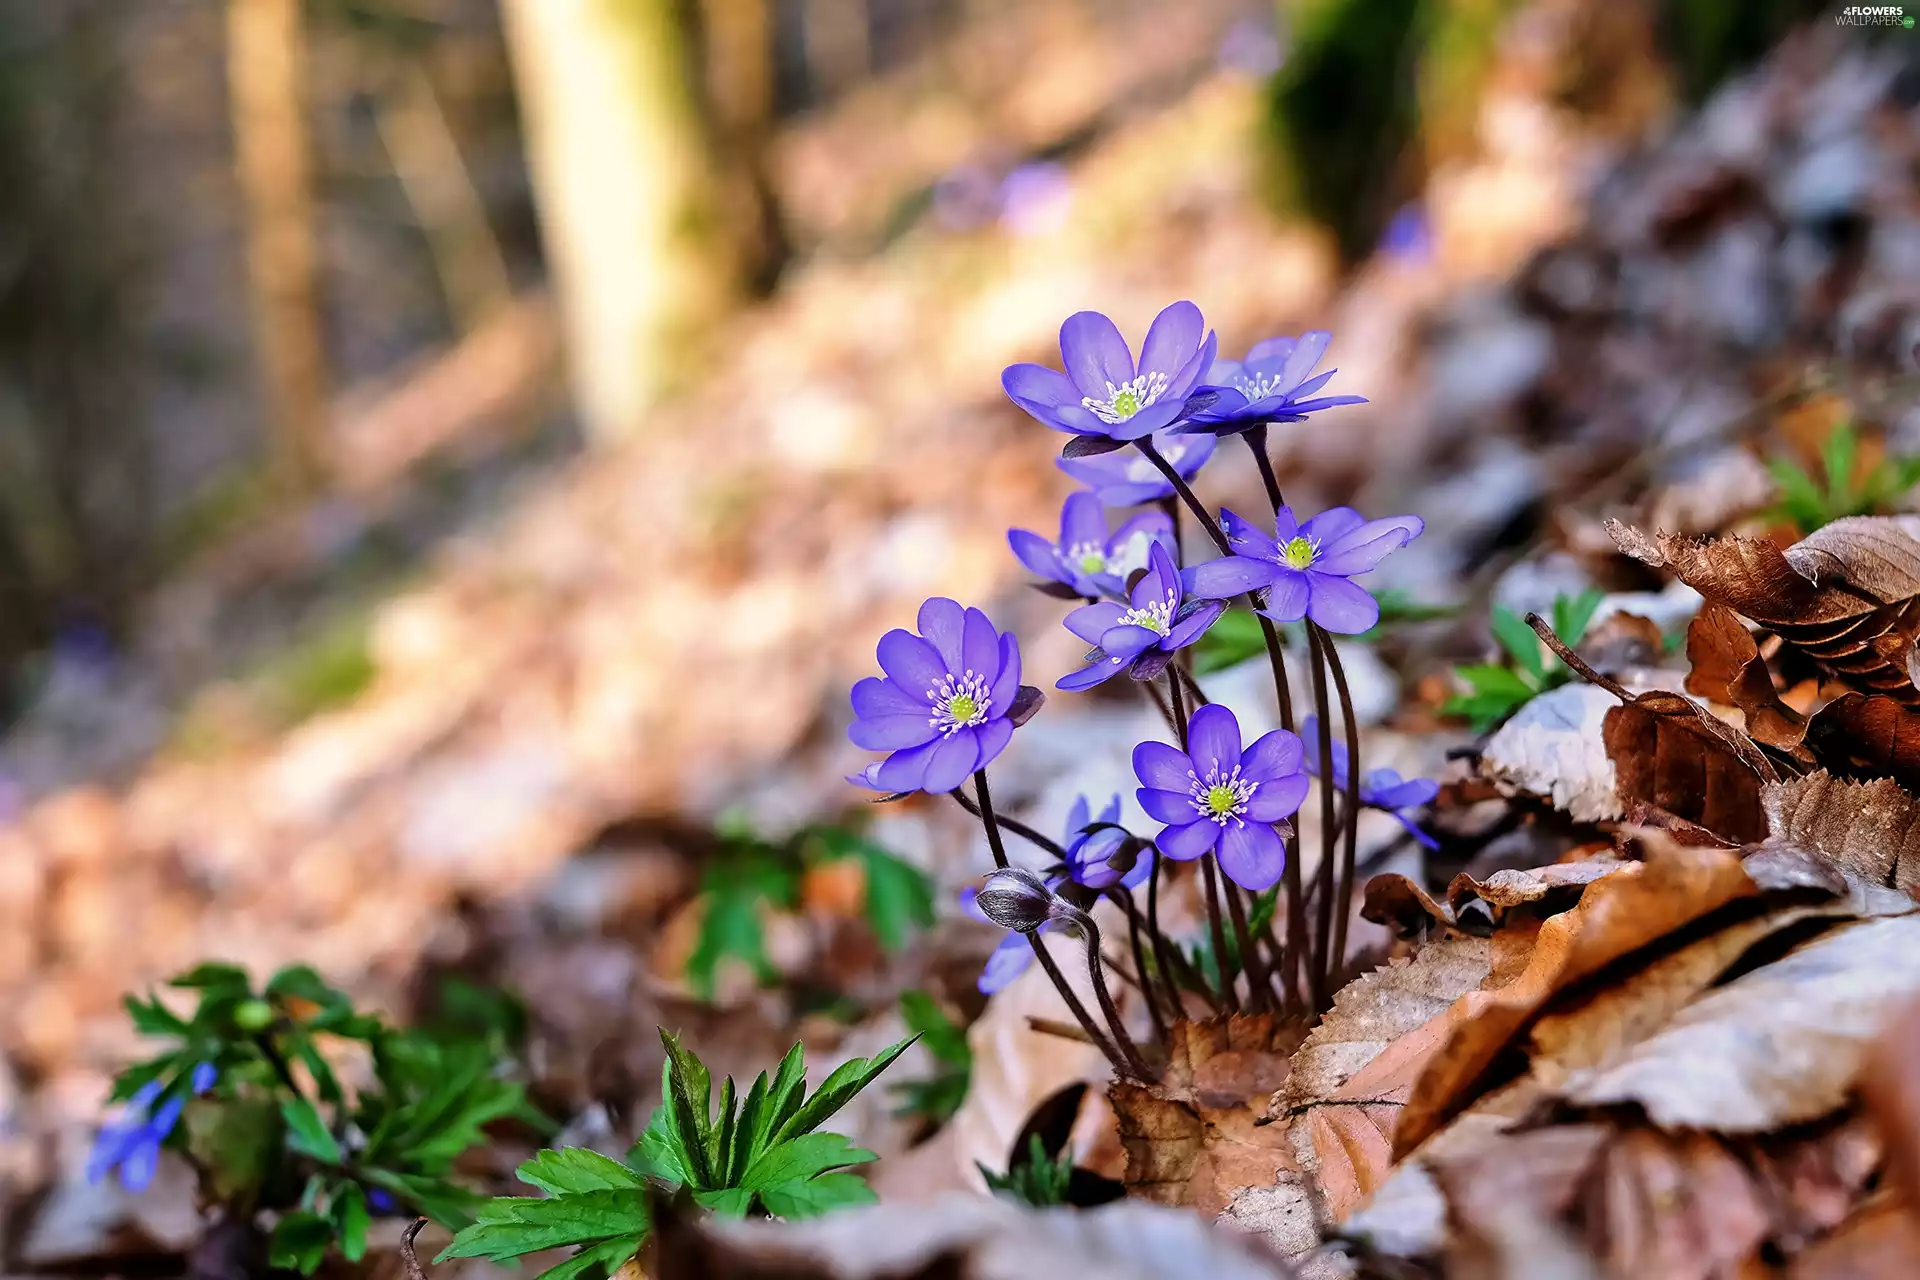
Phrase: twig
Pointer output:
(408, 1258)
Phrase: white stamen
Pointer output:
(1156, 616)
(1259, 386)
(957, 702)
(1088, 557)
(1220, 798)
(1127, 399)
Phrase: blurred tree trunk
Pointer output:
(266, 57)
(739, 40)
(621, 171)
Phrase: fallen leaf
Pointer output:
(1877, 1242)
(1775, 1047)
(1875, 736)
(1395, 901)
(1505, 1205)
(1890, 1086)
(1618, 914)
(1193, 1139)
(979, 1237)
(1728, 669)
(1676, 1206)
(1844, 595)
(1554, 747)
(1671, 752)
(1866, 830)
(1512, 887)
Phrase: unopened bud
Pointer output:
(1015, 898)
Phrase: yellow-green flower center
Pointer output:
(1299, 553)
(1219, 796)
(961, 708)
(1127, 399)
(957, 702)
(1221, 800)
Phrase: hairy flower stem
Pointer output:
(1256, 439)
(1148, 988)
(1136, 1065)
(1320, 971)
(1059, 979)
(1343, 899)
(1186, 493)
(1217, 930)
(1160, 704)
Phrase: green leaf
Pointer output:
(1837, 457)
(899, 894)
(299, 1242)
(735, 889)
(784, 1097)
(151, 1018)
(657, 1154)
(1800, 497)
(1488, 679)
(728, 1202)
(720, 1144)
(302, 982)
(350, 1216)
(740, 1152)
(944, 1038)
(1572, 615)
(571, 1170)
(838, 1089)
(309, 1054)
(816, 1196)
(1234, 638)
(1398, 606)
(510, 1226)
(211, 977)
(1517, 638)
(307, 1133)
(803, 1157)
(597, 1260)
(687, 1090)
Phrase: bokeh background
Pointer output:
(454, 452)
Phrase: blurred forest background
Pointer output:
(452, 450)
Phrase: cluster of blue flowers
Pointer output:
(132, 1142)
(951, 695)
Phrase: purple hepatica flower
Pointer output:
(1088, 561)
(1214, 797)
(1306, 569)
(1090, 854)
(1126, 479)
(948, 705)
(1381, 789)
(1103, 392)
(1275, 383)
(1142, 637)
(132, 1142)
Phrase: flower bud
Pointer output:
(1015, 898)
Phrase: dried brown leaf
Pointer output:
(1844, 595)
(1878, 1242)
(1402, 905)
(1890, 1086)
(1775, 1047)
(1671, 752)
(1556, 883)
(1192, 1139)
(1868, 831)
(1728, 669)
(1875, 736)
(1676, 1206)
(1618, 914)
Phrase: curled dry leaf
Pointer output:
(1876, 736)
(1728, 669)
(1479, 906)
(1775, 1047)
(1880, 1240)
(1193, 1138)
(1844, 595)
(1669, 751)
(1868, 831)
(1890, 1085)
(964, 1235)
(1617, 915)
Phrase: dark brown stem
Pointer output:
(1160, 704)
(1343, 897)
(1079, 1011)
(1259, 990)
(408, 1258)
(1319, 970)
(987, 820)
(1257, 442)
(1174, 693)
(1194, 692)
(1097, 975)
(1018, 828)
(1185, 491)
(1228, 996)
(1574, 661)
(1121, 895)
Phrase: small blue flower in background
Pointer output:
(1141, 638)
(1014, 955)
(1409, 236)
(1036, 198)
(1103, 392)
(1382, 789)
(132, 1142)
(1090, 853)
(1087, 560)
(947, 705)
(1216, 798)
(1275, 383)
(1306, 569)
(380, 1202)
(1126, 479)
